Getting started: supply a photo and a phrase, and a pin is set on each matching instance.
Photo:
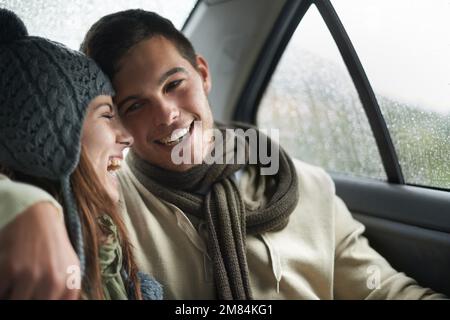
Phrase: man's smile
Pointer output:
(176, 136)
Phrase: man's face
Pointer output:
(157, 92)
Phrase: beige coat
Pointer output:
(321, 254)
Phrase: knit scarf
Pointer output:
(210, 193)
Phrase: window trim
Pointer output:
(267, 61)
(284, 28)
(189, 17)
(366, 95)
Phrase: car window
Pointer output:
(404, 48)
(313, 102)
(68, 21)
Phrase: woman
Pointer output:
(60, 132)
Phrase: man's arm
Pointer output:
(362, 273)
(35, 251)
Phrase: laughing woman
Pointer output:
(59, 131)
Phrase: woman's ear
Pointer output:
(203, 70)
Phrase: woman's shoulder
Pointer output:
(16, 197)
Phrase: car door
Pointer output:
(360, 88)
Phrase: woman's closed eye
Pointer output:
(107, 111)
(108, 115)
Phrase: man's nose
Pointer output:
(166, 112)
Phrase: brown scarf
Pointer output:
(222, 207)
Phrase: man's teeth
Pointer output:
(176, 135)
(114, 164)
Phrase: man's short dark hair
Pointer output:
(111, 37)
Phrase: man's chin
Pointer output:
(179, 167)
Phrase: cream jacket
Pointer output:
(16, 197)
(321, 254)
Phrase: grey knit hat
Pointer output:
(45, 89)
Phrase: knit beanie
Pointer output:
(45, 89)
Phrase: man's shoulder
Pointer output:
(313, 178)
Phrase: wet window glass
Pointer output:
(313, 102)
(404, 46)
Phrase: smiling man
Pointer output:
(162, 92)
(223, 230)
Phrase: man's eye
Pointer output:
(172, 85)
(133, 107)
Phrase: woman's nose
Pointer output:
(127, 141)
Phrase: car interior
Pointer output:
(360, 88)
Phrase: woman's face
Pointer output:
(104, 139)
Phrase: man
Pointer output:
(223, 230)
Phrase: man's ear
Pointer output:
(203, 70)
